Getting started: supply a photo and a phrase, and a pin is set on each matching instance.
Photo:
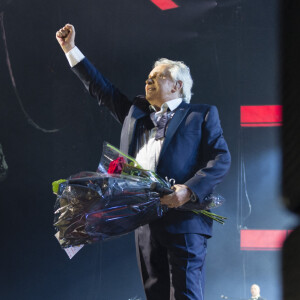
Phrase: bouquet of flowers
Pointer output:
(115, 200)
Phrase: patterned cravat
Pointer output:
(161, 126)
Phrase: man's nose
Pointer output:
(149, 81)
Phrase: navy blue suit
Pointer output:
(171, 251)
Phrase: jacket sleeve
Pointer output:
(216, 157)
(103, 90)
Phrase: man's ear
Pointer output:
(177, 86)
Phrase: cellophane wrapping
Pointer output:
(115, 200)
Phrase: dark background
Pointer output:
(232, 48)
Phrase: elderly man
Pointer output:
(255, 292)
(178, 140)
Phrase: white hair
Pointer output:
(179, 71)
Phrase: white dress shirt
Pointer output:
(148, 153)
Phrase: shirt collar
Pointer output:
(171, 104)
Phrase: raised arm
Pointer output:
(98, 86)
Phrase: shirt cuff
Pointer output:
(74, 56)
(193, 198)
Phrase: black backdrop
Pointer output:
(232, 49)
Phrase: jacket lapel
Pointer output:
(178, 117)
(129, 133)
(139, 109)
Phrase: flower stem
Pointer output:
(213, 216)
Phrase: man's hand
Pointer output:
(180, 196)
(66, 37)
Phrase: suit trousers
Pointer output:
(171, 265)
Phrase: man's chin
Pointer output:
(150, 99)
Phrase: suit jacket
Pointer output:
(194, 151)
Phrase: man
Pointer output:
(177, 140)
(255, 292)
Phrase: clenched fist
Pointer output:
(66, 37)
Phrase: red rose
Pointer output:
(116, 166)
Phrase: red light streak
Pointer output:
(263, 240)
(165, 4)
(261, 115)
